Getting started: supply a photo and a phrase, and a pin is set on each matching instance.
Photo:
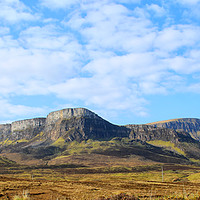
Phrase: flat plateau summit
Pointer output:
(65, 130)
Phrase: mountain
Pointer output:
(189, 125)
(78, 131)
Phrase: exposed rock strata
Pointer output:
(44, 137)
(69, 113)
(82, 124)
(149, 132)
(189, 125)
(27, 124)
(5, 131)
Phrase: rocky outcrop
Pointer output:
(72, 124)
(150, 132)
(189, 125)
(66, 121)
(23, 129)
(70, 113)
(83, 128)
(82, 124)
(27, 124)
(44, 137)
(5, 131)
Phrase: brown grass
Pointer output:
(86, 183)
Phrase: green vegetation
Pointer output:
(6, 142)
(194, 177)
(38, 136)
(95, 146)
(167, 144)
(119, 148)
(60, 142)
(89, 146)
(22, 140)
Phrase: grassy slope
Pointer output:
(6, 162)
(119, 149)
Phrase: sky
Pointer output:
(129, 61)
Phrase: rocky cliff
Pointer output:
(150, 133)
(82, 124)
(43, 137)
(189, 125)
(71, 124)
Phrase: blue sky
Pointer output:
(130, 61)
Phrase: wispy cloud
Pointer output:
(104, 54)
(10, 111)
(13, 11)
(157, 10)
(188, 2)
(61, 4)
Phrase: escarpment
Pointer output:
(189, 125)
(42, 138)
(150, 132)
(71, 124)
(82, 124)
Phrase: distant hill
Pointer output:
(79, 131)
(189, 125)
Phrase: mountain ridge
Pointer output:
(190, 125)
(46, 138)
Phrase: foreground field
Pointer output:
(82, 183)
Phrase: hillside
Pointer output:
(189, 125)
(69, 135)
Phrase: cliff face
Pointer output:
(150, 133)
(69, 123)
(27, 124)
(189, 125)
(43, 137)
(5, 131)
(69, 113)
(82, 124)
(72, 124)
(23, 129)
(83, 128)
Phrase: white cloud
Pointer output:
(14, 11)
(159, 11)
(128, 56)
(101, 92)
(193, 88)
(175, 37)
(47, 37)
(183, 65)
(104, 54)
(113, 27)
(4, 30)
(117, 83)
(8, 110)
(188, 2)
(31, 63)
(128, 1)
(61, 4)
